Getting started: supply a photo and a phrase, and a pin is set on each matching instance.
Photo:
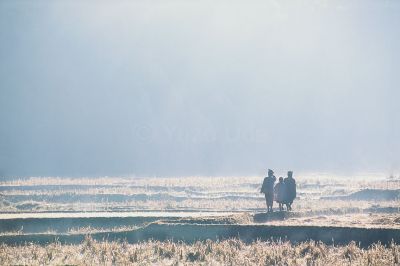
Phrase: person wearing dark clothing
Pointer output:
(280, 193)
(290, 190)
(268, 189)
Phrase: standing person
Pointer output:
(291, 190)
(280, 193)
(268, 189)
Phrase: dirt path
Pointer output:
(160, 214)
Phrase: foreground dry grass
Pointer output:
(228, 252)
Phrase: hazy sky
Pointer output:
(198, 87)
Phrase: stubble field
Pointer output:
(194, 220)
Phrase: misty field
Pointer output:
(198, 220)
(235, 194)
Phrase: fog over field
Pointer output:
(141, 132)
(175, 88)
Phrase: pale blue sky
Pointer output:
(198, 87)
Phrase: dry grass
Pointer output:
(91, 230)
(227, 252)
(370, 220)
(194, 193)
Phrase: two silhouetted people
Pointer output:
(284, 192)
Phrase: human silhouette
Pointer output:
(280, 193)
(268, 189)
(290, 190)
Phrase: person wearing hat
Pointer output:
(290, 190)
(268, 189)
